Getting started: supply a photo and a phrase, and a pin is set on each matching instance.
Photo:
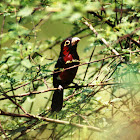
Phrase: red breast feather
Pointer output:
(68, 75)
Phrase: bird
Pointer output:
(62, 78)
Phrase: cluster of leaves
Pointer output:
(110, 87)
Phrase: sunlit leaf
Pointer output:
(26, 63)
(25, 11)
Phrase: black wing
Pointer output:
(59, 65)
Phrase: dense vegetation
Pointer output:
(106, 104)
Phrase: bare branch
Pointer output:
(53, 89)
(51, 120)
(102, 39)
(111, 56)
(8, 97)
(100, 17)
(128, 35)
(2, 130)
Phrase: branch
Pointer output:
(8, 97)
(102, 39)
(50, 120)
(89, 64)
(115, 10)
(2, 130)
(31, 93)
(135, 42)
(100, 17)
(53, 89)
(129, 36)
(111, 56)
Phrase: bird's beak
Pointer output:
(75, 40)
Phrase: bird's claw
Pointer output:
(60, 87)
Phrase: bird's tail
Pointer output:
(57, 100)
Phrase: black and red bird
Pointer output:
(68, 57)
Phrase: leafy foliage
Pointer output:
(108, 77)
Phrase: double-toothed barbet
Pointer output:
(68, 57)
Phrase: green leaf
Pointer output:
(26, 63)
(93, 6)
(25, 11)
(116, 100)
(75, 16)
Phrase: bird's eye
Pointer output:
(67, 42)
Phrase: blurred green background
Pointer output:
(31, 33)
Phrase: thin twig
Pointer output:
(53, 89)
(89, 64)
(102, 39)
(127, 35)
(111, 56)
(50, 120)
(8, 97)
(100, 17)
(2, 130)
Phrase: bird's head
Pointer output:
(70, 43)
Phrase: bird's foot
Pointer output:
(60, 87)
